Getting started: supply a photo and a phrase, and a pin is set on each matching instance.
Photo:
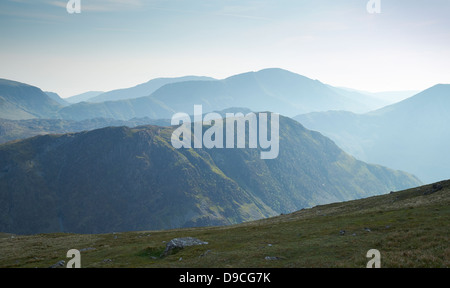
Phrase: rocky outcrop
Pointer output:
(180, 243)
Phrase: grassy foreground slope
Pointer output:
(410, 228)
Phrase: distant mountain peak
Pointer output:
(439, 88)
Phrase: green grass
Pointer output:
(409, 228)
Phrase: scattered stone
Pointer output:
(435, 188)
(367, 229)
(181, 258)
(354, 234)
(271, 258)
(270, 245)
(342, 232)
(107, 260)
(206, 253)
(87, 249)
(180, 243)
(59, 264)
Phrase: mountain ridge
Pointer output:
(272, 89)
(22, 101)
(120, 178)
(144, 89)
(409, 135)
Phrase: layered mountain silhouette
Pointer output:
(144, 89)
(83, 97)
(411, 135)
(122, 179)
(270, 89)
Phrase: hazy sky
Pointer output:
(117, 43)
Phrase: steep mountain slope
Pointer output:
(22, 101)
(411, 135)
(57, 98)
(144, 89)
(270, 89)
(117, 179)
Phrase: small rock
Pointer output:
(367, 229)
(107, 260)
(87, 249)
(271, 258)
(59, 264)
(206, 253)
(181, 243)
(342, 232)
(435, 188)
